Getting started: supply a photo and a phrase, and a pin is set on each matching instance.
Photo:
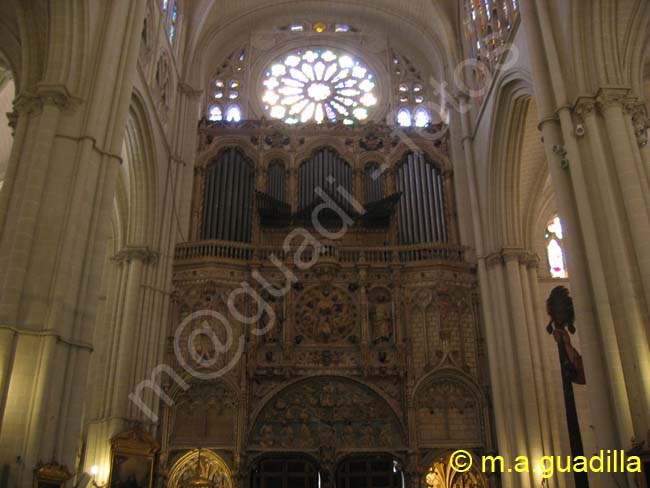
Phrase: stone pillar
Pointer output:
(595, 280)
(54, 218)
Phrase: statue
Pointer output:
(266, 436)
(349, 439)
(382, 319)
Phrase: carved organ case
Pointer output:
(368, 344)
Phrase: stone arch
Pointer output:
(140, 177)
(327, 411)
(315, 145)
(224, 142)
(440, 160)
(222, 30)
(202, 464)
(504, 219)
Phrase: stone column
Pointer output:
(54, 218)
(593, 277)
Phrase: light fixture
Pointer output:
(320, 27)
(94, 471)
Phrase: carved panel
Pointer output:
(447, 411)
(327, 412)
(325, 314)
(380, 315)
(206, 414)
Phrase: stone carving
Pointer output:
(200, 467)
(277, 140)
(325, 314)
(371, 142)
(453, 309)
(380, 310)
(273, 330)
(447, 410)
(205, 413)
(327, 412)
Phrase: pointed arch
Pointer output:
(504, 225)
(140, 175)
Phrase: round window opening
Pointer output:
(315, 85)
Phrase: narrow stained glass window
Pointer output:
(422, 118)
(404, 118)
(215, 113)
(555, 249)
(233, 114)
(172, 22)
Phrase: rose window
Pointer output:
(317, 85)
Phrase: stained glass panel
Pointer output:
(316, 85)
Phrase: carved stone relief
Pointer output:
(205, 414)
(327, 412)
(200, 468)
(447, 411)
(325, 314)
(380, 311)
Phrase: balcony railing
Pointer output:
(222, 251)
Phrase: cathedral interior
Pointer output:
(318, 244)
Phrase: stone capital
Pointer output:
(140, 253)
(584, 107)
(189, 91)
(639, 113)
(608, 98)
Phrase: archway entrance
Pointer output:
(369, 471)
(285, 471)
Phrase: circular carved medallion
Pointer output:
(325, 314)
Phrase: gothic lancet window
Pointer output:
(227, 198)
(413, 99)
(224, 102)
(318, 85)
(421, 212)
(172, 23)
(555, 249)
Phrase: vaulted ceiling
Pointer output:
(426, 29)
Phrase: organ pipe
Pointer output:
(227, 201)
(276, 181)
(421, 211)
(314, 173)
(373, 187)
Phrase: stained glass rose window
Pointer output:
(314, 85)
